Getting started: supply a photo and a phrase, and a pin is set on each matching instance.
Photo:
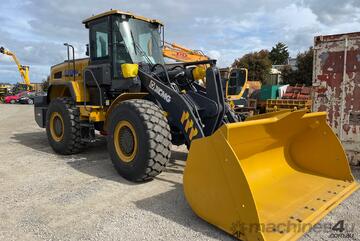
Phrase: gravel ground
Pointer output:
(45, 196)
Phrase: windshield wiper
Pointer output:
(133, 40)
(143, 53)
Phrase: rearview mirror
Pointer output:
(87, 50)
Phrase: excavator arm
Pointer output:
(24, 70)
(179, 53)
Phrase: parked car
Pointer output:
(29, 97)
(12, 99)
(26, 99)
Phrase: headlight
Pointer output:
(199, 73)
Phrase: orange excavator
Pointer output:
(182, 54)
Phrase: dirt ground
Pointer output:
(44, 196)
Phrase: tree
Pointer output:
(304, 63)
(304, 69)
(257, 63)
(288, 75)
(45, 84)
(279, 54)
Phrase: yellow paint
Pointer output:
(232, 104)
(243, 88)
(129, 70)
(189, 124)
(78, 87)
(185, 115)
(193, 132)
(97, 116)
(118, 12)
(92, 113)
(65, 67)
(122, 155)
(274, 170)
(199, 72)
(56, 91)
(285, 104)
(267, 115)
(56, 116)
(182, 54)
(67, 81)
(23, 69)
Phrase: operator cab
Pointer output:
(116, 41)
(121, 45)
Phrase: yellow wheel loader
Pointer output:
(288, 168)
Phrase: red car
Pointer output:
(12, 99)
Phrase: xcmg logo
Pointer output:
(160, 91)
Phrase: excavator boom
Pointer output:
(179, 53)
(23, 69)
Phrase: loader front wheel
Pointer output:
(139, 140)
(63, 126)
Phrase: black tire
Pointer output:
(12, 101)
(70, 141)
(153, 139)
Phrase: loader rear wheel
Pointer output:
(63, 126)
(139, 140)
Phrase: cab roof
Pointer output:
(118, 12)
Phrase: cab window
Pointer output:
(120, 53)
(99, 38)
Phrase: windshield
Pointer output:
(236, 82)
(142, 40)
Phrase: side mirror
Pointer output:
(87, 53)
(237, 83)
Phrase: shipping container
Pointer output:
(269, 92)
(336, 81)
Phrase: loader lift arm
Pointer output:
(195, 112)
(180, 53)
(23, 69)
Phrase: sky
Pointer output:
(225, 30)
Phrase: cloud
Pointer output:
(214, 54)
(332, 12)
(36, 29)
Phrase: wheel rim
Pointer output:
(56, 126)
(125, 141)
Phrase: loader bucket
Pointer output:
(268, 179)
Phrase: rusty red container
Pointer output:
(336, 81)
